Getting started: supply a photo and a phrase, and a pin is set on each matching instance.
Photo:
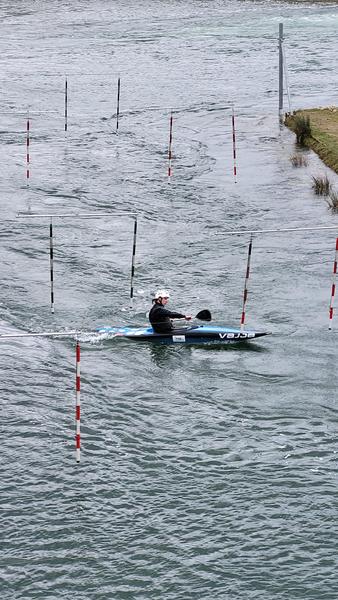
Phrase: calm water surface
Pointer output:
(205, 473)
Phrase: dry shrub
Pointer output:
(321, 185)
(298, 160)
(333, 200)
(302, 128)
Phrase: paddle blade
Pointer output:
(204, 315)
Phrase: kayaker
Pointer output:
(160, 317)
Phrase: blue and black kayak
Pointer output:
(196, 334)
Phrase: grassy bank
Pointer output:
(324, 133)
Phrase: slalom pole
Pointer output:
(66, 105)
(77, 381)
(78, 405)
(333, 287)
(234, 143)
(245, 292)
(133, 264)
(118, 104)
(170, 145)
(51, 216)
(280, 72)
(51, 263)
(27, 149)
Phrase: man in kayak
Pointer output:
(159, 316)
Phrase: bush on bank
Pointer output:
(317, 129)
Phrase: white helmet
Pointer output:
(161, 294)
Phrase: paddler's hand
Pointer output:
(188, 317)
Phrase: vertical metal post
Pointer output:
(280, 46)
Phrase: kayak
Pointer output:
(198, 334)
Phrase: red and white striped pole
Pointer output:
(247, 276)
(27, 149)
(66, 104)
(333, 287)
(51, 265)
(234, 144)
(170, 146)
(78, 405)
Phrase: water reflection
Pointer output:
(162, 354)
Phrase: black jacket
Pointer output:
(160, 317)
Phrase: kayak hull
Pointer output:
(200, 334)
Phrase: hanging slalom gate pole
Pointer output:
(27, 149)
(280, 48)
(234, 143)
(245, 292)
(288, 230)
(170, 145)
(78, 405)
(82, 216)
(118, 104)
(66, 104)
(77, 380)
(133, 264)
(51, 263)
(333, 288)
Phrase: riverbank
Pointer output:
(324, 133)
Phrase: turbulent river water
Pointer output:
(205, 472)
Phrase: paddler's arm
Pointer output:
(175, 315)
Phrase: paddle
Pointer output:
(204, 315)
